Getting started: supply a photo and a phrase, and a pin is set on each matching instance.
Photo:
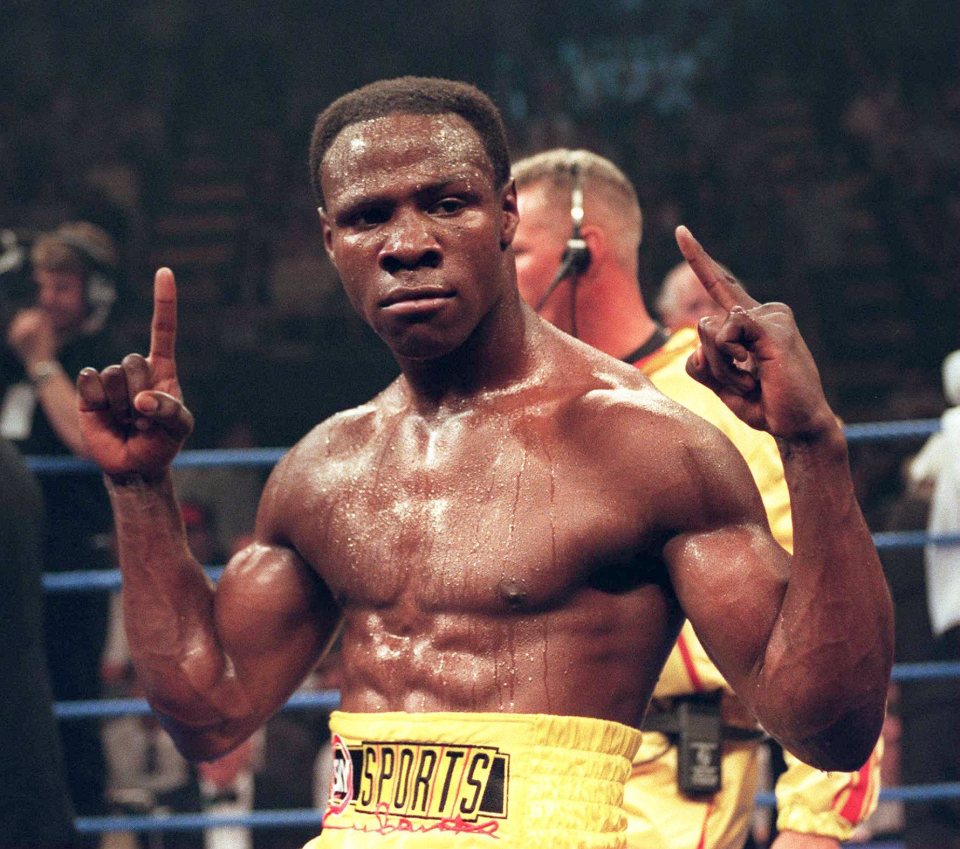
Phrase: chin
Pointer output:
(421, 352)
(419, 346)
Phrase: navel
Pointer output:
(513, 592)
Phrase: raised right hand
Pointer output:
(132, 417)
(32, 337)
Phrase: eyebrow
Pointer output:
(359, 202)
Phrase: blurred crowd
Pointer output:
(841, 197)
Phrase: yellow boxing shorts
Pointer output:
(661, 817)
(442, 780)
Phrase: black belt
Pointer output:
(664, 720)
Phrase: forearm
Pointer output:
(58, 398)
(168, 604)
(828, 661)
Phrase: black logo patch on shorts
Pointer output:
(422, 780)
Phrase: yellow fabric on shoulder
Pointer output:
(427, 781)
(666, 369)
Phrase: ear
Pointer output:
(597, 244)
(509, 214)
(327, 234)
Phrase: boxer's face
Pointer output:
(417, 228)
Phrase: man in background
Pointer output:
(682, 301)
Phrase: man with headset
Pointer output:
(59, 333)
(47, 343)
(577, 249)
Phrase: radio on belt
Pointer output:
(699, 746)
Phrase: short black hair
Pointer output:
(414, 96)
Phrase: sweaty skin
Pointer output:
(518, 523)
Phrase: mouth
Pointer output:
(417, 300)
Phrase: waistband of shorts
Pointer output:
(578, 733)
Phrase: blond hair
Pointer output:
(77, 247)
(609, 198)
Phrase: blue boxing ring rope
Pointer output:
(107, 580)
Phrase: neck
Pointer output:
(499, 353)
(611, 315)
(65, 336)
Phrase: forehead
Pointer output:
(58, 278)
(688, 286)
(540, 207)
(395, 150)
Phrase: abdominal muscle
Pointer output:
(593, 658)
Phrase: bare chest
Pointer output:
(498, 521)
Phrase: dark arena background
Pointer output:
(814, 147)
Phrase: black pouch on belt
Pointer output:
(699, 744)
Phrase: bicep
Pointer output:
(274, 617)
(727, 570)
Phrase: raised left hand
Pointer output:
(754, 357)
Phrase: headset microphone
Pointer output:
(576, 255)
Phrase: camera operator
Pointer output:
(72, 269)
(48, 341)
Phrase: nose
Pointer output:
(45, 297)
(409, 243)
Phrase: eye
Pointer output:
(365, 217)
(448, 206)
(372, 217)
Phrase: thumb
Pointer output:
(165, 411)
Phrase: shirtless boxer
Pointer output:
(508, 536)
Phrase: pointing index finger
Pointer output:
(720, 284)
(163, 327)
